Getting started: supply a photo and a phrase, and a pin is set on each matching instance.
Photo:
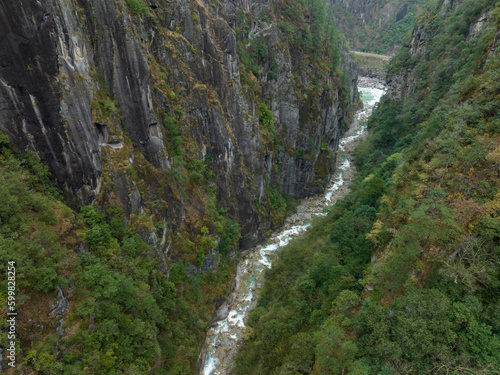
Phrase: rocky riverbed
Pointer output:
(226, 335)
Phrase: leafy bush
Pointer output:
(174, 135)
(137, 6)
(266, 121)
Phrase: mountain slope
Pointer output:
(403, 276)
(120, 86)
(379, 26)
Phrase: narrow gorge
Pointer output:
(161, 140)
(222, 339)
(249, 187)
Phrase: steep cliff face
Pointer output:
(400, 81)
(190, 127)
(102, 93)
(38, 51)
(422, 218)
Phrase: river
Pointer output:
(224, 338)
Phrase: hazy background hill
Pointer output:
(379, 26)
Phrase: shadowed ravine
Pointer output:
(225, 336)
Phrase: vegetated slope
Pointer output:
(90, 294)
(190, 127)
(379, 26)
(403, 275)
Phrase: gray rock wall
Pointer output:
(66, 65)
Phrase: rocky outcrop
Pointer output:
(476, 26)
(400, 85)
(418, 40)
(59, 309)
(447, 6)
(402, 12)
(88, 86)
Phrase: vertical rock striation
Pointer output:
(88, 86)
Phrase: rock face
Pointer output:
(373, 11)
(401, 83)
(402, 12)
(43, 106)
(88, 86)
(476, 26)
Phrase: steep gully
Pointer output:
(225, 336)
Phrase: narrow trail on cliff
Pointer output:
(376, 55)
(226, 335)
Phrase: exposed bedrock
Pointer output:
(88, 85)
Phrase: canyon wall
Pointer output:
(93, 87)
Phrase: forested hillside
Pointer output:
(379, 26)
(403, 275)
(143, 144)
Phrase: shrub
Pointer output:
(174, 135)
(137, 6)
